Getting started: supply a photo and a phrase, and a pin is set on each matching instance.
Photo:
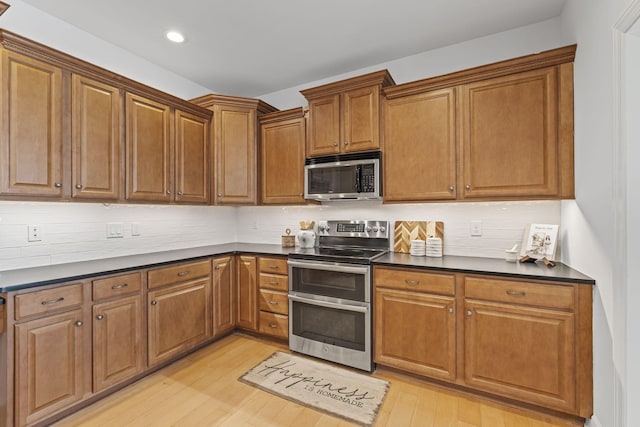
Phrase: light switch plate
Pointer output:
(115, 230)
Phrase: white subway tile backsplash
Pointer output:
(77, 231)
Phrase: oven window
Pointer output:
(341, 328)
(334, 284)
(332, 180)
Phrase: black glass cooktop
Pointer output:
(339, 254)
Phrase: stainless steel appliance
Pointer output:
(343, 177)
(330, 289)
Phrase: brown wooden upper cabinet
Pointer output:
(167, 153)
(345, 116)
(31, 143)
(502, 131)
(149, 141)
(235, 142)
(96, 144)
(282, 155)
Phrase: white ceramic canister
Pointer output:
(307, 238)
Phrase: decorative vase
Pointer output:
(307, 238)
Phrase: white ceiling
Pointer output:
(254, 47)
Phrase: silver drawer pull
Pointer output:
(183, 273)
(273, 325)
(412, 282)
(53, 301)
(273, 282)
(273, 302)
(124, 285)
(516, 293)
(273, 267)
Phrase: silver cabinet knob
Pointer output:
(469, 313)
(346, 143)
(468, 186)
(57, 184)
(154, 302)
(179, 193)
(335, 144)
(451, 188)
(450, 310)
(219, 194)
(79, 186)
(99, 317)
(217, 267)
(79, 323)
(168, 192)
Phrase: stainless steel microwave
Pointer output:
(343, 177)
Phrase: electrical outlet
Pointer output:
(476, 228)
(34, 233)
(135, 229)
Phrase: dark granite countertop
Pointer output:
(11, 280)
(538, 270)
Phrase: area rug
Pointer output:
(339, 392)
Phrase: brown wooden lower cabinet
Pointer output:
(50, 365)
(179, 319)
(524, 340)
(416, 332)
(223, 295)
(246, 306)
(272, 297)
(118, 351)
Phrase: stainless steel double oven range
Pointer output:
(330, 292)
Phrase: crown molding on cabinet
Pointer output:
(33, 49)
(236, 101)
(3, 7)
(498, 69)
(278, 116)
(382, 78)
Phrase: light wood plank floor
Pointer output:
(202, 390)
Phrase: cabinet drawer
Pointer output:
(273, 265)
(116, 286)
(414, 280)
(274, 324)
(48, 300)
(274, 281)
(275, 302)
(178, 273)
(537, 294)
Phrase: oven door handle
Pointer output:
(327, 304)
(329, 267)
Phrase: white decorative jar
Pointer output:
(307, 238)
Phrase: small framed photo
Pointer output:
(540, 241)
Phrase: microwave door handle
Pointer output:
(326, 304)
(358, 188)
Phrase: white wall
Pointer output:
(25, 20)
(590, 221)
(485, 50)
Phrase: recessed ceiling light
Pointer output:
(175, 36)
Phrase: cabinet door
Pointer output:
(223, 295)
(520, 352)
(192, 158)
(361, 119)
(324, 126)
(179, 319)
(148, 140)
(247, 307)
(118, 351)
(95, 139)
(31, 142)
(416, 332)
(283, 157)
(50, 365)
(236, 163)
(419, 147)
(509, 135)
